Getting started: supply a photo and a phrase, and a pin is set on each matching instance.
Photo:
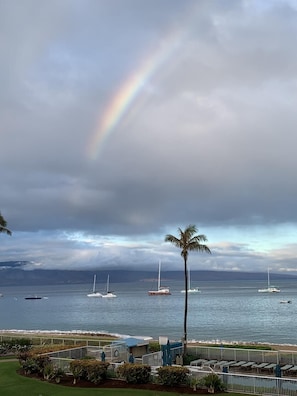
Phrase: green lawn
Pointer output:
(12, 384)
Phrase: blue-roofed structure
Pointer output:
(137, 346)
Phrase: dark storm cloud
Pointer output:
(208, 138)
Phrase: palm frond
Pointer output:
(4, 229)
(3, 225)
(174, 240)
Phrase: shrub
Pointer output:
(22, 344)
(89, 369)
(24, 355)
(188, 358)
(33, 364)
(134, 373)
(15, 345)
(212, 381)
(30, 366)
(172, 376)
(51, 372)
(154, 346)
(96, 371)
(77, 370)
(58, 374)
(41, 362)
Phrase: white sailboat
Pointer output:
(94, 293)
(191, 289)
(109, 294)
(161, 290)
(270, 288)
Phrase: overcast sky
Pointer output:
(122, 120)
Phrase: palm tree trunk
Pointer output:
(186, 306)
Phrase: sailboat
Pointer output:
(109, 294)
(161, 291)
(269, 289)
(94, 293)
(191, 290)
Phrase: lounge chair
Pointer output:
(209, 363)
(238, 364)
(270, 367)
(247, 365)
(293, 370)
(230, 363)
(259, 366)
(286, 367)
(198, 362)
(221, 363)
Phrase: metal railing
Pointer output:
(251, 384)
(259, 385)
(255, 355)
(152, 359)
(58, 340)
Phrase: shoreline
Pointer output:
(70, 333)
(93, 334)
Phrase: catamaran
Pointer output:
(270, 288)
(109, 294)
(94, 292)
(161, 290)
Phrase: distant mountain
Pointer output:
(13, 274)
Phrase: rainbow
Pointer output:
(129, 91)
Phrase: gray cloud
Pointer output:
(207, 138)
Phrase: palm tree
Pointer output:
(187, 241)
(3, 225)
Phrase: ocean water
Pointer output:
(222, 312)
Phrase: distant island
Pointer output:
(14, 273)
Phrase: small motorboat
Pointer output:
(285, 302)
(33, 298)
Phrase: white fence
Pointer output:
(260, 385)
(256, 355)
(114, 353)
(251, 384)
(152, 359)
(58, 340)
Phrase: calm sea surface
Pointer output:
(222, 311)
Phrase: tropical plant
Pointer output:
(50, 372)
(3, 225)
(212, 382)
(187, 241)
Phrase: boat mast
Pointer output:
(94, 284)
(159, 276)
(107, 285)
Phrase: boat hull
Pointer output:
(33, 298)
(191, 291)
(96, 294)
(108, 295)
(161, 292)
(269, 290)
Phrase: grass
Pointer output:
(13, 384)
